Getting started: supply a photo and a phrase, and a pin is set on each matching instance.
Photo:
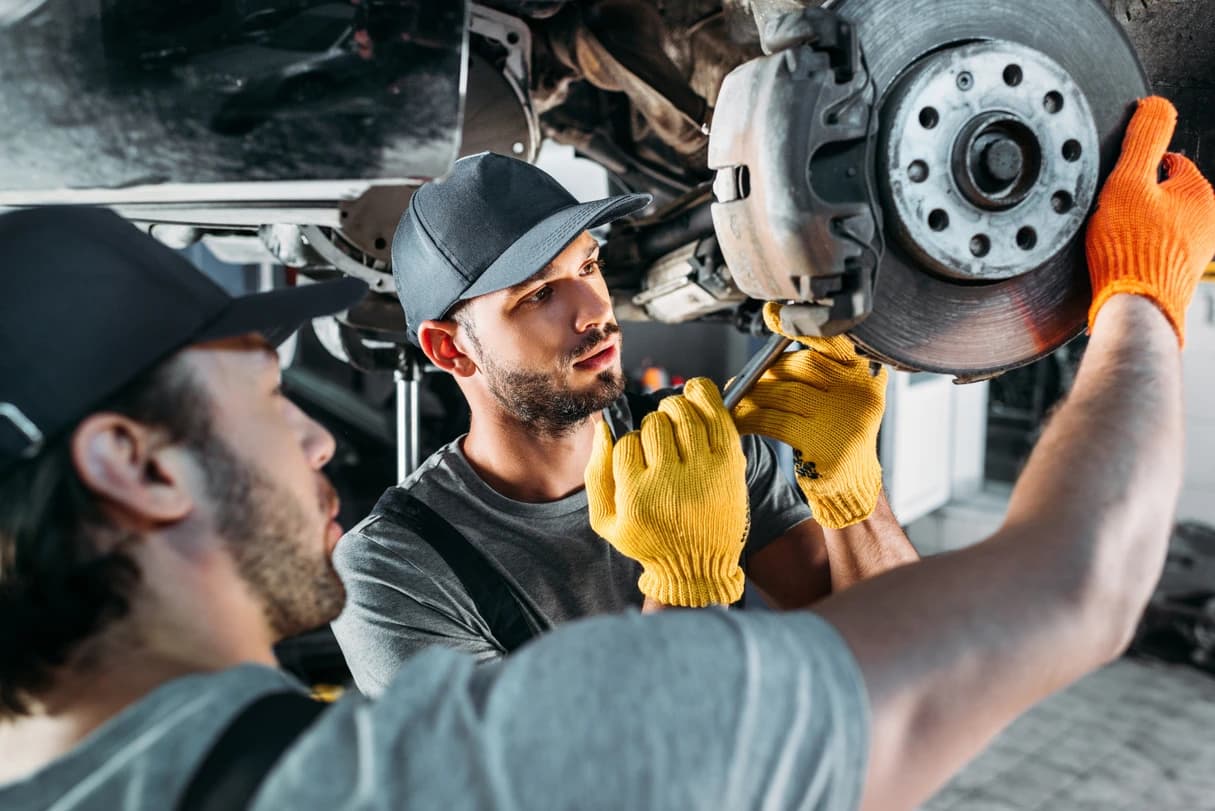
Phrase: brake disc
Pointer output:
(998, 121)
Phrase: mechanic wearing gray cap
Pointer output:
(501, 287)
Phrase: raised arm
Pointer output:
(956, 647)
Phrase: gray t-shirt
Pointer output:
(682, 710)
(403, 597)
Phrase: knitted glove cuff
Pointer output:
(693, 582)
(836, 510)
(1158, 273)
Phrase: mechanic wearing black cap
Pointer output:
(164, 520)
(500, 282)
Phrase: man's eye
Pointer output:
(539, 296)
(592, 267)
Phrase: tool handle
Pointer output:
(746, 378)
(754, 369)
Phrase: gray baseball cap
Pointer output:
(492, 223)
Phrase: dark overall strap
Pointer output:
(247, 750)
(510, 618)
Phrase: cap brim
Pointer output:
(278, 313)
(531, 252)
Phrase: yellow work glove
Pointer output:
(1149, 238)
(824, 403)
(673, 497)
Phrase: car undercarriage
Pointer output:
(918, 171)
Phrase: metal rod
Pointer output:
(744, 380)
(754, 369)
(409, 418)
(403, 420)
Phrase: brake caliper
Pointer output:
(793, 144)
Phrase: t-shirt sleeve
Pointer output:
(396, 607)
(692, 709)
(777, 505)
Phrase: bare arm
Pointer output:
(809, 562)
(954, 648)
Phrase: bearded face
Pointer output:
(274, 541)
(551, 401)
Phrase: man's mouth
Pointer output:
(328, 498)
(331, 505)
(601, 357)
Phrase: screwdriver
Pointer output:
(760, 362)
(754, 369)
(797, 319)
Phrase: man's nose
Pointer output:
(318, 443)
(594, 306)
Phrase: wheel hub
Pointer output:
(976, 326)
(991, 160)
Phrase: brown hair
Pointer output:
(56, 591)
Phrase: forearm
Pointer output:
(956, 646)
(1088, 522)
(1107, 472)
(869, 548)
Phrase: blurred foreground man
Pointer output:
(163, 520)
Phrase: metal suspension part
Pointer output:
(792, 143)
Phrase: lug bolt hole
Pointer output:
(917, 171)
(1053, 102)
(938, 219)
(1027, 238)
(1062, 202)
(1013, 75)
(980, 245)
(1072, 151)
(380, 243)
(929, 118)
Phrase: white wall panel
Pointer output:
(1198, 366)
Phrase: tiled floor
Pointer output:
(1135, 736)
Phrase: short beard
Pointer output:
(267, 530)
(547, 408)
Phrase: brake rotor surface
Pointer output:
(999, 119)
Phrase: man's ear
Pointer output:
(439, 343)
(139, 476)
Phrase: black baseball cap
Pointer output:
(88, 302)
(492, 223)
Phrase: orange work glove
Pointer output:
(1148, 238)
